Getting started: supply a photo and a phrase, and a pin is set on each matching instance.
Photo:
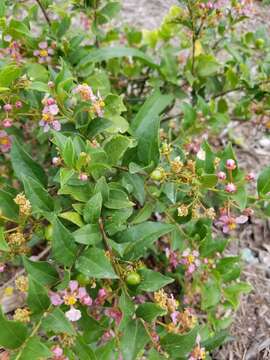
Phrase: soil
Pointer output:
(251, 328)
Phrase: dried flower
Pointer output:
(21, 283)
(22, 315)
(182, 210)
(5, 141)
(24, 204)
(176, 165)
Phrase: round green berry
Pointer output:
(157, 175)
(133, 278)
(260, 43)
(83, 279)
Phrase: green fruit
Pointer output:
(157, 175)
(133, 278)
(260, 43)
(48, 233)
(83, 279)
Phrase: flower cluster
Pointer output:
(182, 321)
(190, 259)
(50, 110)
(44, 52)
(86, 93)
(7, 122)
(24, 204)
(13, 49)
(17, 243)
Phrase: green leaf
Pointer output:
(24, 165)
(153, 280)
(8, 208)
(41, 271)
(83, 350)
(69, 153)
(108, 53)
(118, 199)
(3, 244)
(88, 235)
(57, 322)
(64, 249)
(211, 295)
(216, 340)
(38, 72)
(93, 262)
(12, 333)
(232, 293)
(35, 350)
(133, 340)
(143, 214)
(8, 74)
(263, 183)
(92, 210)
(37, 299)
(208, 180)
(241, 197)
(150, 311)
(206, 65)
(127, 308)
(137, 186)
(142, 236)
(73, 217)
(178, 346)
(116, 147)
(39, 198)
(145, 127)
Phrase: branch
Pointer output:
(44, 12)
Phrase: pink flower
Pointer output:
(5, 141)
(107, 336)
(73, 314)
(87, 300)
(230, 164)
(173, 258)
(85, 92)
(102, 295)
(221, 175)
(56, 299)
(57, 351)
(229, 223)
(115, 314)
(175, 316)
(73, 285)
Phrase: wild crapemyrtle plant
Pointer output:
(117, 212)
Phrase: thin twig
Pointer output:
(44, 12)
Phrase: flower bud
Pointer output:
(7, 107)
(83, 177)
(231, 188)
(18, 104)
(221, 175)
(250, 176)
(230, 164)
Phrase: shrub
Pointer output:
(121, 225)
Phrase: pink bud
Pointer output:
(83, 177)
(51, 84)
(50, 101)
(230, 188)
(230, 164)
(18, 104)
(7, 107)
(2, 268)
(87, 300)
(7, 123)
(221, 175)
(250, 177)
(56, 160)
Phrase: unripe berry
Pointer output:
(48, 233)
(133, 278)
(157, 174)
